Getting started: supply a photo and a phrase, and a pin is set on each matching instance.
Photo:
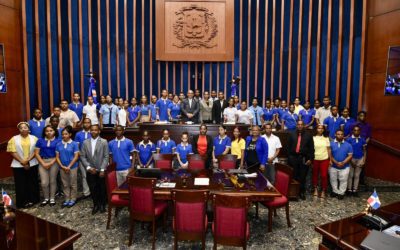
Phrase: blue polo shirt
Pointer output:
(281, 112)
(153, 111)
(67, 152)
(81, 136)
(183, 151)
(133, 112)
(333, 124)
(145, 151)
(348, 122)
(257, 113)
(47, 151)
(166, 147)
(145, 110)
(37, 127)
(162, 106)
(175, 109)
(107, 111)
(340, 151)
(358, 144)
(290, 120)
(60, 133)
(307, 115)
(268, 114)
(220, 144)
(121, 151)
(77, 108)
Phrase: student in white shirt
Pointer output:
(230, 112)
(90, 111)
(274, 147)
(244, 115)
(123, 114)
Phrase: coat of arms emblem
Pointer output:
(195, 27)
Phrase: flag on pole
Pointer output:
(6, 198)
(92, 89)
(374, 201)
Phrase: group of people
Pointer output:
(46, 148)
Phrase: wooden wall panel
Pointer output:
(13, 101)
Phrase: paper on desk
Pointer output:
(253, 175)
(392, 231)
(201, 181)
(166, 185)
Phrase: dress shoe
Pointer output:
(302, 196)
(340, 196)
(95, 210)
(102, 209)
(333, 195)
(355, 194)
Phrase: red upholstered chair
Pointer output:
(230, 226)
(227, 161)
(163, 161)
(142, 205)
(282, 182)
(114, 200)
(190, 219)
(196, 161)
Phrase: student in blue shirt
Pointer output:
(76, 105)
(36, 124)
(145, 150)
(307, 115)
(80, 137)
(279, 113)
(108, 114)
(317, 105)
(174, 109)
(134, 112)
(54, 122)
(348, 122)
(222, 144)
(289, 119)
(121, 151)
(342, 152)
(145, 110)
(67, 155)
(333, 122)
(153, 106)
(183, 150)
(268, 113)
(45, 153)
(257, 112)
(162, 106)
(359, 145)
(166, 145)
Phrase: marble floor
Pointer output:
(305, 215)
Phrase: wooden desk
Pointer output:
(34, 233)
(257, 189)
(348, 233)
(155, 132)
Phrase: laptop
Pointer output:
(149, 173)
(377, 240)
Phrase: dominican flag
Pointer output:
(92, 89)
(374, 201)
(6, 198)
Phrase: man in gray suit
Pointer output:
(190, 108)
(95, 159)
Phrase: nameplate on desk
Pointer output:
(201, 181)
(166, 185)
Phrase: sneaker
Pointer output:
(52, 202)
(44, 202)
(71, 203)
(65, 204)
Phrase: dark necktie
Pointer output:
(109, 121)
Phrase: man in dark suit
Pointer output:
(202, 144)
(190, 108)
(300, 154)
(95, 159)
(218, 109)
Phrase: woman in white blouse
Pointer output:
(230, 112)
(244, 115)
